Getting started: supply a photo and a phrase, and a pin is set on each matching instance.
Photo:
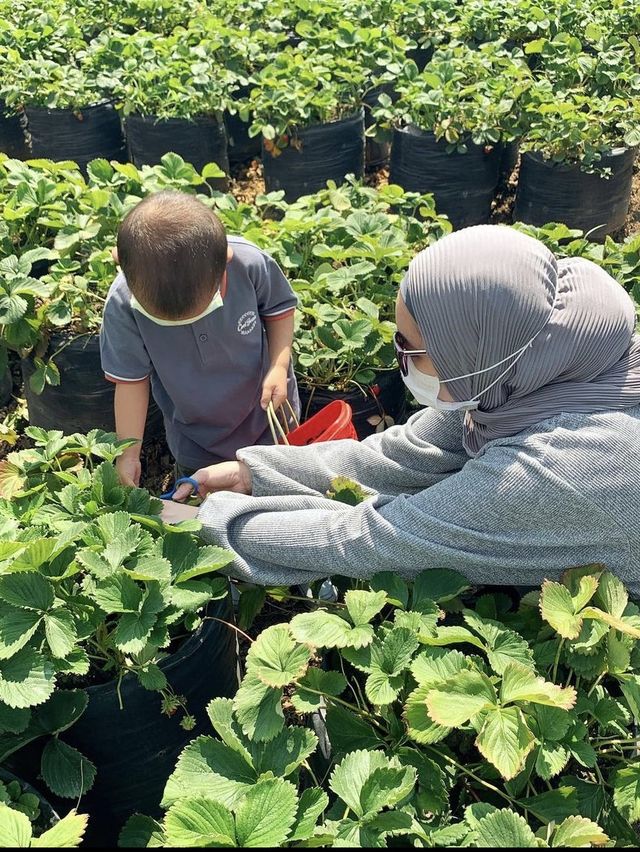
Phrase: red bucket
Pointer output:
(331, 423)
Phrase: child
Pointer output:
(207, 321)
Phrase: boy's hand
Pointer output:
(173, 513)
(129, 469)
(274, 387)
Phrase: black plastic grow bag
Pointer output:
(556, 192)
(84, 398)
(82, 136)
(12, 139)
(199, 141)
(6, 386)
(463, 185)
(242, 148)
(326, 152)
(378, 148)
(386, 397)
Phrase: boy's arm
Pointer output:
(131, 404)
(280, 337)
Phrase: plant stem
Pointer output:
(232, 626)
(473, 775)
(556, 662)
(595, 684)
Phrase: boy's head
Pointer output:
(173, 251)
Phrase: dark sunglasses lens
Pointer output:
(400, 356)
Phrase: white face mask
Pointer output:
(426, 388)
(215, 303)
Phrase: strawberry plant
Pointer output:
(456, 718)
(164, 76)
(23, 824)
(577, 128)
(464, 94)
(300, 89)
(93, 588)
(17, 832)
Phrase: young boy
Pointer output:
(207, 321)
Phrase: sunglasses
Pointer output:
(403, 353)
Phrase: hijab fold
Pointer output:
(480, 294)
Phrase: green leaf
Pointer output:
(66, 772)
(258, 708)
(560, 609)
(553, 724)
(321, 629)
(152, 678)
(611, 595)
(553, 805)
(220, 713)
(66, 833)
(266, 815)
(117, 593)
(26, 679)
(439, 585)
(435, 666)
(210, 769)
(395, 588)
(209, 559)
(196, 822)
(252, 600)
(141, 832)
(313, 802)
(121, 546)
(363, 606)
(15, 828)
(13, 720)
(551, 760)
(420, 726)
(386, 787)
(27, 590)
(276, 659)
(324, 682)
(626, 791)
(132, 632)
(350, 775)
(348, 731)
(504, 829)
(60, 630)
(505, 740)
(519, 683)
(283, 755)
(212, 170)
(577, 831)
(460, 698)
(17, 626)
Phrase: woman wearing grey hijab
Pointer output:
(525, 462)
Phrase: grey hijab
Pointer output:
(481, 294)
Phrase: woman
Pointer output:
(526, 462)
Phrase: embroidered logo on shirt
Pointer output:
(247, 322)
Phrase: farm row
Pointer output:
(449, 91)
(345, 249)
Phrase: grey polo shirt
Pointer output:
(206, 377)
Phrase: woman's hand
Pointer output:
(173, 513)
(226, 476)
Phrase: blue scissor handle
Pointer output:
(183, 479)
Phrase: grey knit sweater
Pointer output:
(564, 493)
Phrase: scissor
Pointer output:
(189, 480)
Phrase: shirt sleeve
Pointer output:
(503, 519)
(403, 459)
(122, 350)
(276, 299)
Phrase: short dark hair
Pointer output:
(173, 251)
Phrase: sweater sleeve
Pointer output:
(503, 519)
(403, 459)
